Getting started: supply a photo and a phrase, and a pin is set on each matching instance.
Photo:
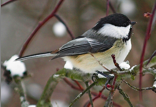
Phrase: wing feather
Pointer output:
(89, 42)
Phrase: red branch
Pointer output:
(38, 27)
(96, 97)
(115, 63)
(7, 2)
(111, 7)
(114, 81)
(103, 97)
(93, 93)
(148, 33)
(79, 85)
(107, 10)
(71, 85)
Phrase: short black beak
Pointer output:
(133, 23)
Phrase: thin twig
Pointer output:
(154, 54)
(114, 81)
(148, 33)
(81, 94)
(90, 97)
(67, 28)
(134, 88)
(112, 91)
(107, 9)
(93, 93)
(7, 2)
(79, 89)
(108, 101)
(111, 7)
(100, 63)
(20, 90)
(115, 63)
(103, 97)
(125, 96)
(72, 86)
(137, 89)
(79, 85)
(38, 28)
(96, 97)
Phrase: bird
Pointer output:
(110, 35)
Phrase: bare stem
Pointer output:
(148, 33)
(108, 101)
(38, 28)
(79, 85)
(72, 86)
(114, 81)
(89, 94)
(125, 96)
(111, 7)
(107, 10)
(7, 2)
(96, 97)
(137, 89)
(81, 94)
(115, 63)
(67, 28)
(154, 54)
(100, 63)
(20, 90)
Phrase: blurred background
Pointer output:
(19, 19)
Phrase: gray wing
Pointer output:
(86, 44)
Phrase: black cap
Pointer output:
(114, 19)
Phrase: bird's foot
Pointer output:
(109, 78)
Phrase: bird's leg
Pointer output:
(94, 77)
(109, 78)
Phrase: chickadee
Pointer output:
(111, 35)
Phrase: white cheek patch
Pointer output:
(114, 31)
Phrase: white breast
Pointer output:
(88, 64)
(125, 51)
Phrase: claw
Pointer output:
(94, 76)
(109, 78)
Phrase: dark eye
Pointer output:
(124, 24)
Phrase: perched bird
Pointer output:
(111, 35)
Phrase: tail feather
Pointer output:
(38, 55)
